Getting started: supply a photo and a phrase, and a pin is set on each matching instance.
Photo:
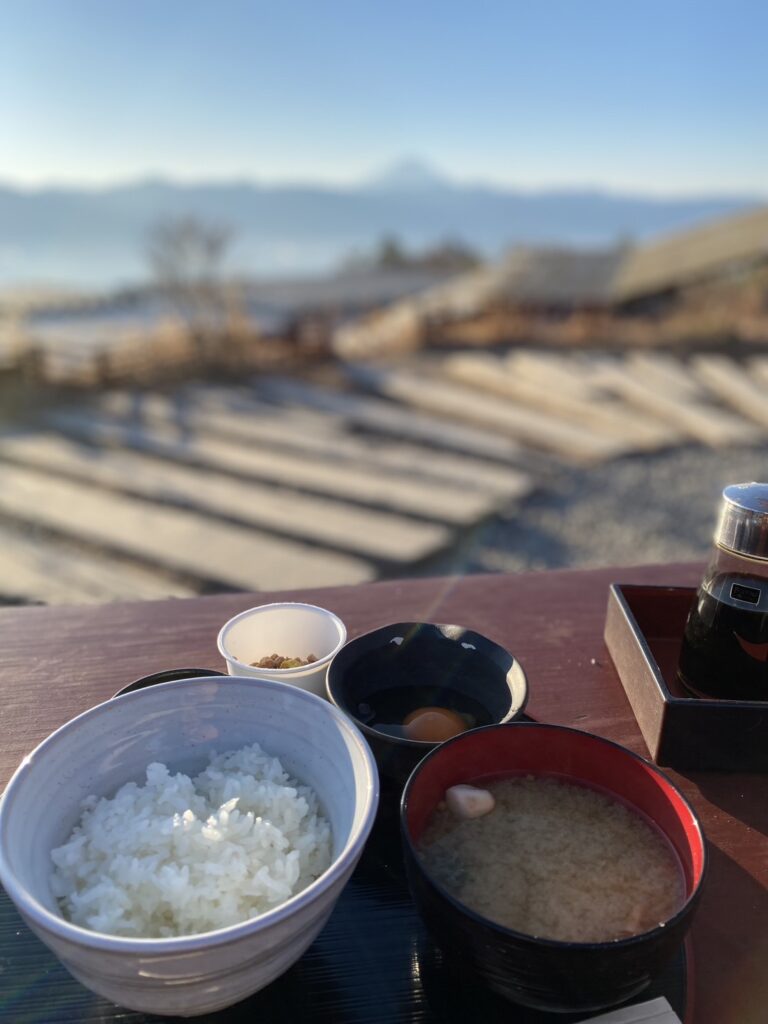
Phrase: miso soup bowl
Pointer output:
(545, 973)
(448, 661)
(181, 723)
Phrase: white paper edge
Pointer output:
(657, 1011)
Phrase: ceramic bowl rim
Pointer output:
(66, 930)
(281, 673)
(560, 944)
(511, 716)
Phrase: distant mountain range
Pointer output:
(96, 237)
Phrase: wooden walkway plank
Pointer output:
(506, 483)
(330, 434)
(709, 425)
(758, 369)
(564, 374)
(611, 418)
(441, 503)
(190, 414)
(409, 459)
(734, 386)
(667, 375)
(374, 535)
(380, 417)
(178, 540)
(252, 421)
(43, 569)
(523, 424)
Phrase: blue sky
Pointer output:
(664, 96)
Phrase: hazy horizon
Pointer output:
(98, 236)
(373, 178)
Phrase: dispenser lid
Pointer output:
(743, 524)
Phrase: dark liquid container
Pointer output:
(725, 645)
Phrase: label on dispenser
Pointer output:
(749, 594)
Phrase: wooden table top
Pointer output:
(58, 661)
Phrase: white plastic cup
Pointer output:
(289, 628)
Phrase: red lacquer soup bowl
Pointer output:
(540, 972)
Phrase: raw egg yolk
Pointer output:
(433, 724)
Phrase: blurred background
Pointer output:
(297, 294)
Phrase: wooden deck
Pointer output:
(286, 483)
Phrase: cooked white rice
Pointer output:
(179, 856)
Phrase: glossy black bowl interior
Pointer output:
(441, 665)
(168, 675)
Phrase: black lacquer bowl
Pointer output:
(167, 675)
(423, 664)
(536, 972)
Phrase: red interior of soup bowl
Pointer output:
(498, 750)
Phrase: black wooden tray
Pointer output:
(643, 633)
(373, 962)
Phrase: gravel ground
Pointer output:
(635, 510)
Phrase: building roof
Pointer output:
(559, 276)
(693, 255)
(572, 278)
(537, 276)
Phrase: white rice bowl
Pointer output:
(181, 856)
(180, 723)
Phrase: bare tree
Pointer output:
(186, 256)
